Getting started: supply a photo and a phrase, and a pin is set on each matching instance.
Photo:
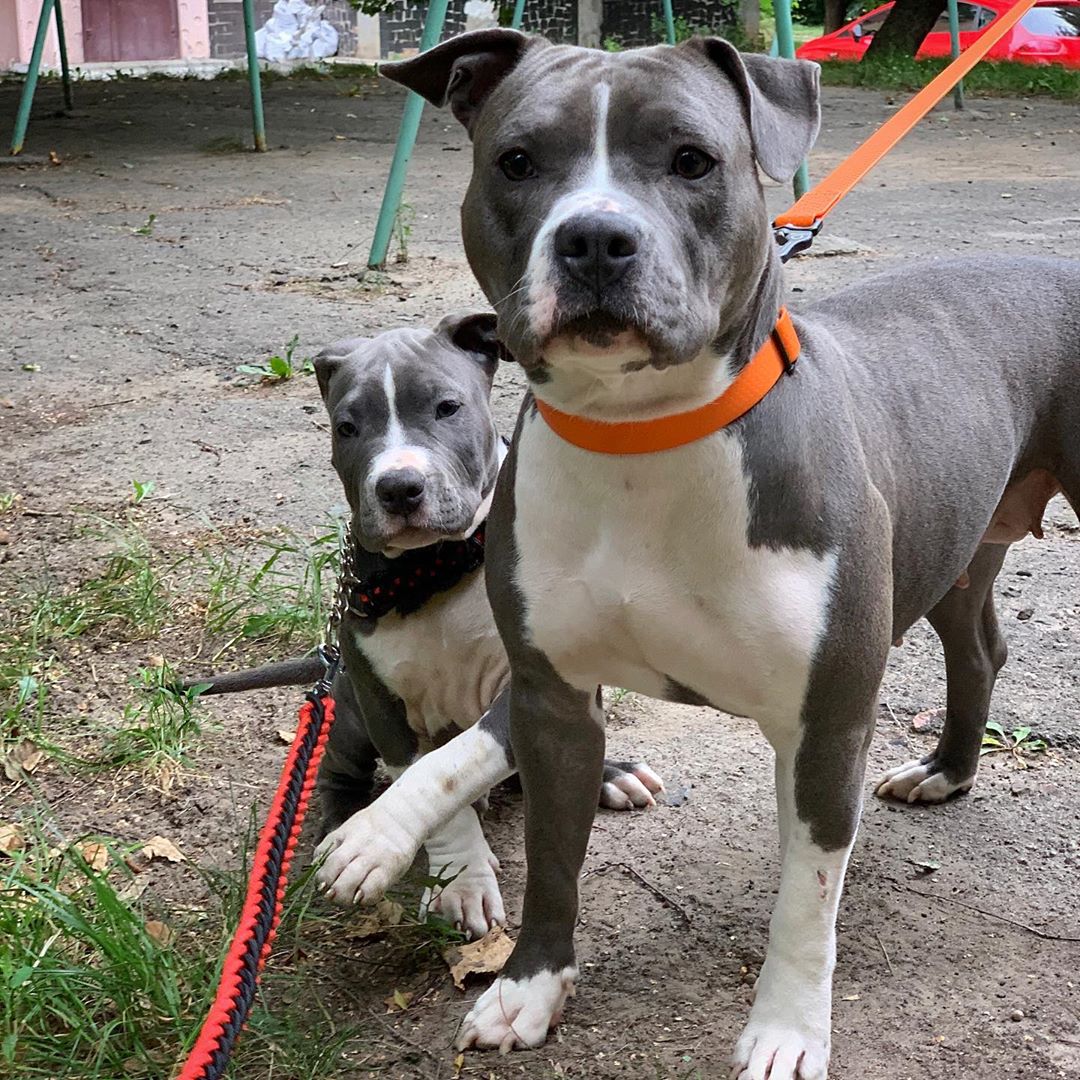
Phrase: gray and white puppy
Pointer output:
(616, 220)
(423, 686)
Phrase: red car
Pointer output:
(1048, 34)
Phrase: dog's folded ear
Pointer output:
(475, 332)
(331, 358)
(782, 101)
(462, 72)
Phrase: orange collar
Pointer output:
(753, 382)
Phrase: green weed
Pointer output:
(7, 501)
(403, 227)
(280, 368)
(141, 489)
(1020, 743)
(148, 228)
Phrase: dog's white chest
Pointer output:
(445, 661)
(636, 572)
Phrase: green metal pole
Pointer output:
(954, 37)
(410, 125)
(254, 77)
(785, 38)
(22, 117)
(64, 69)
(519, 15)
(669, 22)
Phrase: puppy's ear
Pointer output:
(475, 333)
(462, 72)
(330, 359)
(781, 98)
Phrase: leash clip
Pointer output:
(795, 239)
(330, 656)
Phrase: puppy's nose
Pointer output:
(597, 248)
(400, 491)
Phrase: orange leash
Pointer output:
(808, 213)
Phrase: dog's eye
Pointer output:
(446, 408)
(346, 430)
(691, 163)
(517, 165)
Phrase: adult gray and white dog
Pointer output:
(616, 221)
(424, 675)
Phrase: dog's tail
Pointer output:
(299, 672)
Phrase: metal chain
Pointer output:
(329, 650)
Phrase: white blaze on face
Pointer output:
(597, 192)
(397, 452)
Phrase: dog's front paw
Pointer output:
(471, 902)
(365, 856)
(628, 786)
(920, 781)
(787, 1035)
(515, 1014)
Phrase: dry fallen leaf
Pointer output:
(159, 932)
(22, 759)
(286, 736)
(483, 957)
(95, 853)
(157, 847)
(397, 1001)
(384, 915)
(11, 839)
(459, 1064)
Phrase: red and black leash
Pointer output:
(261, 912)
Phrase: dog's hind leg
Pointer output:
(975, 651)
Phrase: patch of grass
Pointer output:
(1020, 743)
(128, 597)
(7, 500)
(159, 728)
(280, 368)
(285, 597)
(992, 80)
(96, 980)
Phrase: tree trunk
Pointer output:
(835, 15)
(903, 31)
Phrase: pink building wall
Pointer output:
(19, 19)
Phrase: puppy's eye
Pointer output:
(517, 165)
(691, 163)
(446, 408)
(346, 430)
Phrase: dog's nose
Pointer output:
(597, 248)
(401, 490)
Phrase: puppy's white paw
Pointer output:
(471, 902)
(365, 856)
(917, 781)
(629, 786)
(517, 1013)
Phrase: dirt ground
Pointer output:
(972, 970)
